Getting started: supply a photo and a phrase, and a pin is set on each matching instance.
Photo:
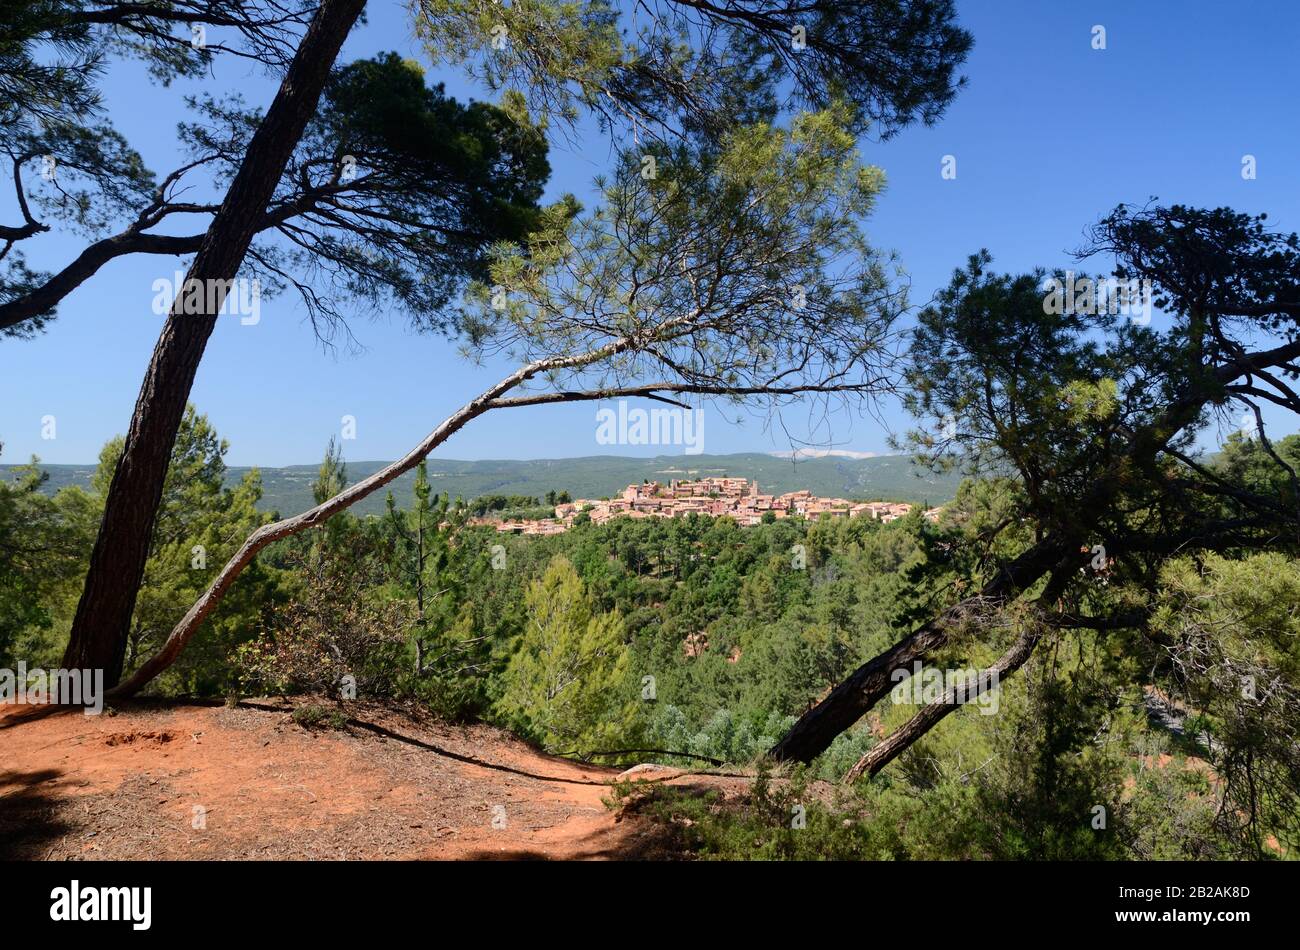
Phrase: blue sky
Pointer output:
(1048, 135)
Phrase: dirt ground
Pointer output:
(157, 781)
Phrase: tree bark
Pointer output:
(189, 624)
(869, 683)
(103, 617)
(902, 737)
(925, 720)
(813, 733)
(490, 399)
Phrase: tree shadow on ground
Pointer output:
(30, 814)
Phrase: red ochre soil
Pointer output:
(134, 783)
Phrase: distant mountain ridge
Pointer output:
(884, 477)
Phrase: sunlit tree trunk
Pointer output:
(102, 621)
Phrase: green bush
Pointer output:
(310, 717)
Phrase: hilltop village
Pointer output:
(737, 498)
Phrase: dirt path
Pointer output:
(210, 782)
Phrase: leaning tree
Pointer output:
(359, 186)
(374, 189)
(738, 273)
(1092, 417)
(686, 70)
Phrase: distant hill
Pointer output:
(885, 477)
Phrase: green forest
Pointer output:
(696, 636)
(866, 236)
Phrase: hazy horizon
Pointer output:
(433, 457)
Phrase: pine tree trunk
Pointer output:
(816, 729)
(103, 617)
(953, 698)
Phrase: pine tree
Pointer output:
(423, 559)
(569, 682)
(200, 523)
(332, 477)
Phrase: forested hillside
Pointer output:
(705, 641)
(288, 489)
